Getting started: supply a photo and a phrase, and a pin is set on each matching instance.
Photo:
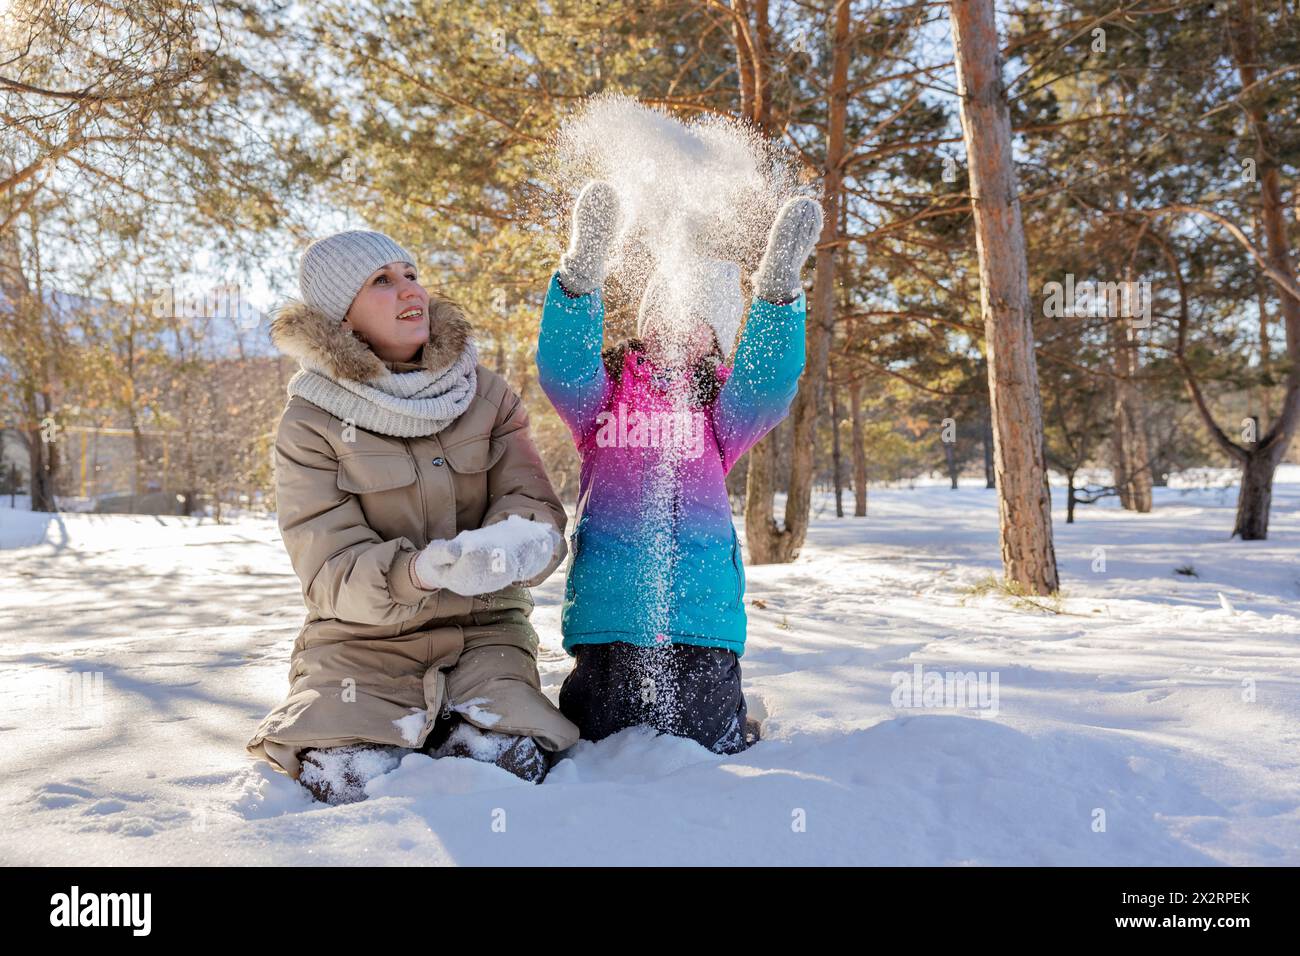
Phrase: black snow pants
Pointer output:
(679, 689)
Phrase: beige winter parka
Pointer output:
(378, 657)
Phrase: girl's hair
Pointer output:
(704, 372)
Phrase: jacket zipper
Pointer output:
(445, 714)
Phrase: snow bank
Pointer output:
(1148, 722)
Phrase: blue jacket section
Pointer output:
(655, 555)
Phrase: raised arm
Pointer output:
(770, 358)
(569, 365)
(763, 380)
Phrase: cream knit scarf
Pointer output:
(402, 404)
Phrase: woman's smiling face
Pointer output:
(391, 313)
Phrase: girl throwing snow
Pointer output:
(654, 600)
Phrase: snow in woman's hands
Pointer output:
(482, 560)
(521, 542)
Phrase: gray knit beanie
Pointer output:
(334, 269)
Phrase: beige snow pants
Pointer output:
(391, 690)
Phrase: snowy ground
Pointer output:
(1155, 721)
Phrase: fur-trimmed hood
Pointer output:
(319, 343)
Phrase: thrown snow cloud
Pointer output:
(688, 191)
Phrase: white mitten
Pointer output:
(789, 244)
(595, 224)
(535, 553)
(483, 560)
(464, 569)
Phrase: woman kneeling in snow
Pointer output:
(654, 600)
(413, 505)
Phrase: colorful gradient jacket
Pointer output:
(655, 555)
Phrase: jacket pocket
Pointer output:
(469, 462)
(367, 472)
(474, 455)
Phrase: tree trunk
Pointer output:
(1255, 496)
(859, 452)
(1261, 457)
(808, 402)
(762, 534)
(1132, 466)
(838, 476)
(1024, 505)
(41, 482)
(1069, 497)
(1130, 453)
(761, 531)
(990, 479)
(137, 454)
